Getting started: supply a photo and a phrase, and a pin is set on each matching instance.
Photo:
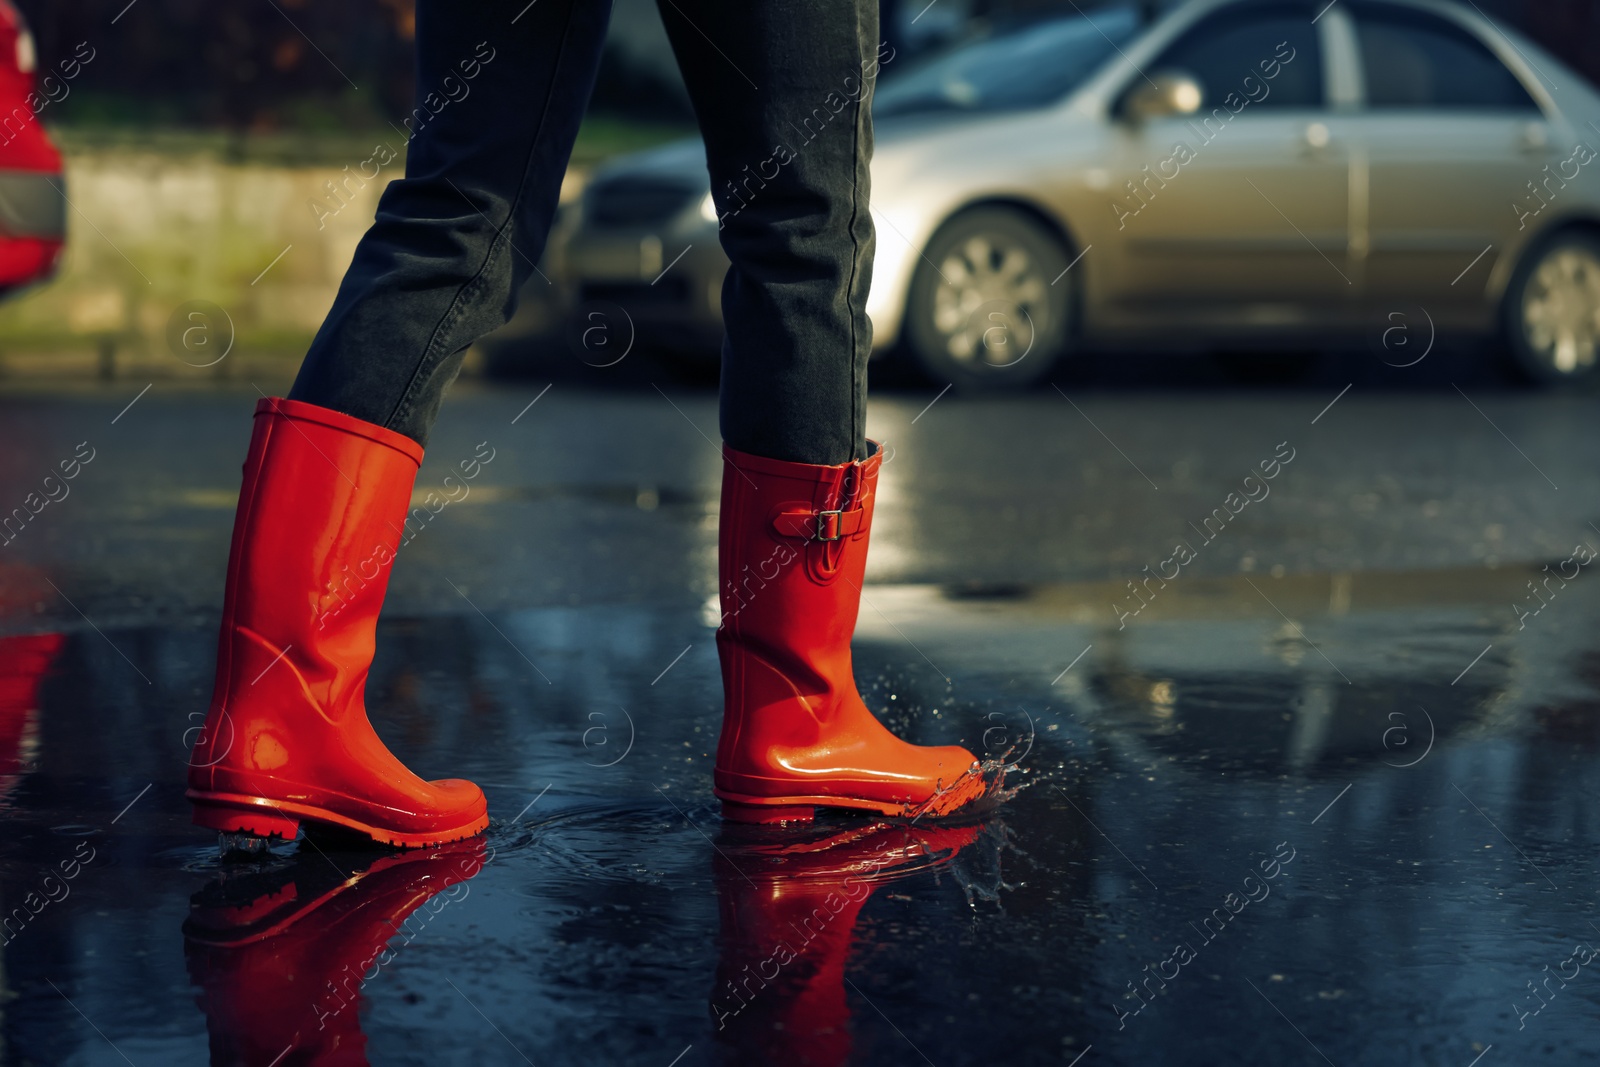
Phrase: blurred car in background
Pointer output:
(32, 198)
(1233, 172)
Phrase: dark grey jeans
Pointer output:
(455, 239)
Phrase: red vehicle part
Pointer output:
(32, 192)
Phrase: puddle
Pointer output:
(1264, 818)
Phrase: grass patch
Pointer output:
(599, 138)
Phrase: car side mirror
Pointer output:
(1162, 94)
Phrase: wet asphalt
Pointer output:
(1322, 793)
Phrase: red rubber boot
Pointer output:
(287, 737)
(795, 733)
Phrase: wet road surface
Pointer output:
(1322, 793)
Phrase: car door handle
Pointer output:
(1535, 139)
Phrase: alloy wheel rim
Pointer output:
(990, 303)
(1561, 311)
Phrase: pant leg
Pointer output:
(782, 90)
(501, 88)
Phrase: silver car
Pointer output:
(1248, 172)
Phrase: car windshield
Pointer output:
(1027, 67)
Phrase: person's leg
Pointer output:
(328, 479)
(782, 90)
(501, 89)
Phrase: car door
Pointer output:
(1455, 146)
(1235, 212)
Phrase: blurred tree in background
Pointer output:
(243, 65)
(255, 66)
(258, 66)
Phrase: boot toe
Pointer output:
(457, 797)
(953, 761)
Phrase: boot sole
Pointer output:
(745, 808)
(233, 813)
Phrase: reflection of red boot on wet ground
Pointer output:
(24, 661)
(789, 902)
(280, 957)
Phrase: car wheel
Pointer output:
(988, 307)
(1553, 311)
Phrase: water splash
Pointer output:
(981, 789)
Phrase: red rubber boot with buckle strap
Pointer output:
(795, 733)
(287, 738)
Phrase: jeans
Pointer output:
(456, 238)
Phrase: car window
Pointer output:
(1274, 47)
(1415, 60)
(1033, 66)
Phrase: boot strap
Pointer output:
(811, 524)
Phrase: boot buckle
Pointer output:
(830, 524)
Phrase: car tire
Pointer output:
(988, 309)
(1552, 312)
